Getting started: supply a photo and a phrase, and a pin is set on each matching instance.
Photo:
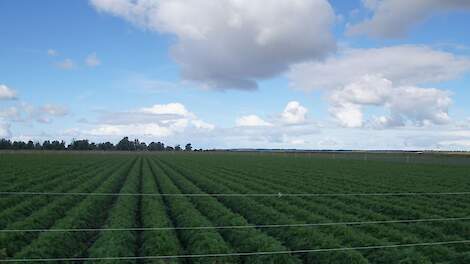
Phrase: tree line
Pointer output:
(84, 144)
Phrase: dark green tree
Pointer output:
(46, 145)
(37, 146)
(30, 145)
(188, 147)
(106, 146)
(5, 144)
(169, 148)
(82, 144)
(125, 144)
(56, 145)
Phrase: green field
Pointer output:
(338, 207)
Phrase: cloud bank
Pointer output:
(159, 120)
(403, 65)
(406, 105)
(388, 78)
(240, 42)
(393, 18)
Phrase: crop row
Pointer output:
(89, 213)
(313, 213)
(185, 214)
(241, 240)
(232, 174)
(155, 214)
(26, 205)
(121, 215)
(44, 217)
(294, 238)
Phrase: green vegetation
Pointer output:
(206, 173)
(86, 145)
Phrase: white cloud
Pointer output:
(294, 113)
(92, 60)
(346, 103)
(4, 130)
(403, 65)
(52, 52)
(159, 120)
(300, 142)
(10, 113)
(251, 121)
(265, 136)
(24, 112)
(231, 44)
(43, 114)
(421, 106)
(368, 90)
(393, 18)
(456, 144)
(7, 93)
(286, 128)
(54, 110)
(66, 64)
(151, 129)
(199, 124)
(168, 109)
(387, 78)
(348, 114)
(406, 104)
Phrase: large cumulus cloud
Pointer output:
(230, 44)
(406, 105)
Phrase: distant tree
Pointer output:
(30, 145)
(92, 146)
(46, 145)
(106, 146)
(17, 145)
(85, 144)
(56, 145)
(188, 147)
(142, 146)
(37, 146)
(62, 146)
(125, 144)
(160, 146)
(135, 145)
(5, 144)
(152, 146)
(82, 144)
(169, 148)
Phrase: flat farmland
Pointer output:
(234, 208)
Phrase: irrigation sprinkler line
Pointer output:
(279, 194)
(239, 226)
(320, 250)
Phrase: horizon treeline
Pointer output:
(84, 144)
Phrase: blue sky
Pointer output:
(294, 74)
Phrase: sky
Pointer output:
(303, 74)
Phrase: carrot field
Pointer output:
(216, 207)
